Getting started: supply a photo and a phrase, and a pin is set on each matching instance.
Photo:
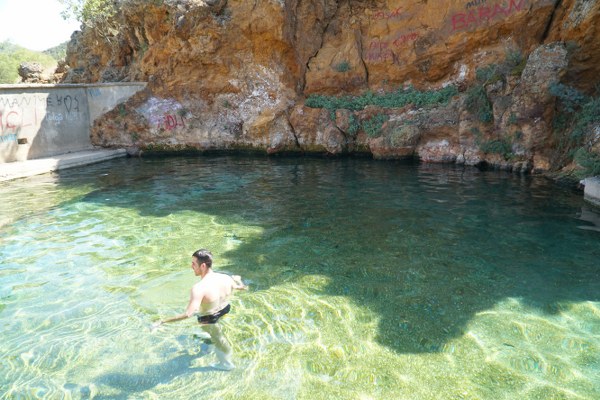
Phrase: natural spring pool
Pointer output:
(368, 280)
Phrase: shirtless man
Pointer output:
(210, 298)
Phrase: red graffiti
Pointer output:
(382, 50)
(400, 40)
(12, 121)
(483, 14)
(170, 122)
(387, 14)
(403, 39)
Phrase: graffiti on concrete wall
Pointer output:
(21, 111)
(11, 137)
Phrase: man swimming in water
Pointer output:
(210, 298)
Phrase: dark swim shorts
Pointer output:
(213, 318)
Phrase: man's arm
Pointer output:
(238, 284)
(192, 307)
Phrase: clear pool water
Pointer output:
(369, 280)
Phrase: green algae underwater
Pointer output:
(368, 280)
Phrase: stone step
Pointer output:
(23, 169)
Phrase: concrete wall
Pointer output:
(39, 121)
(591, 191)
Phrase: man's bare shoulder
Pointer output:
(198, 287)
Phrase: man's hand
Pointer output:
(238, 282)
(155, 326)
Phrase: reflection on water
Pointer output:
(369, 280)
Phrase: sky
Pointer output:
(34, 24)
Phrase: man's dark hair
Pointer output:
(203, 256)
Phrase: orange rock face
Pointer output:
(235, 74)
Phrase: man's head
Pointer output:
(200, 257)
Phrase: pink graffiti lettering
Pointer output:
(403, 39)
(482, 14)
(379, 15)
(380, 56)
(11, 120)
(380, 51)
(378, 45)
(170, 122)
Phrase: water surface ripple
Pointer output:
(369, 280)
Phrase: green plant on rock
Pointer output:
(575, 122)
(372, 126)
(344, 66)
(488, 74)
(476, 101)
(569, 98)
(476, 132)
(518, 135)
(143, 49)
(501, 145)
(353, 125)
(589, 161)
(497, 146)
(515, 62)
(395, 99)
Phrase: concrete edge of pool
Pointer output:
(592, 190)
(23, 169)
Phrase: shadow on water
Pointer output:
(426, 248)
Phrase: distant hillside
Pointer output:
(58, 52)
(12, 55)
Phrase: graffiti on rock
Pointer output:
(483, 14)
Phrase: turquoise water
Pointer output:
(368, 280)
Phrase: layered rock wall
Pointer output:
(233, 74)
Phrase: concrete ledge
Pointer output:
(591, 192)
(23, 169)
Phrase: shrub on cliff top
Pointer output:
(89, 12)
(98, 15)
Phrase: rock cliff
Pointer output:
(497, 82)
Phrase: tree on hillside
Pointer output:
(57, 52)
(12, 55)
